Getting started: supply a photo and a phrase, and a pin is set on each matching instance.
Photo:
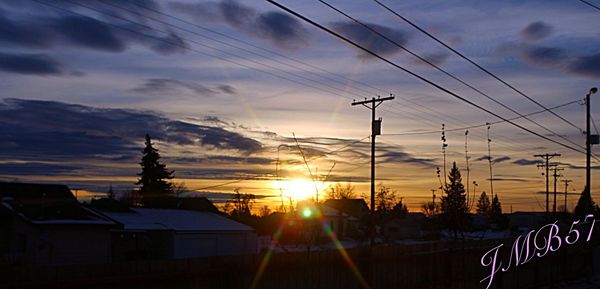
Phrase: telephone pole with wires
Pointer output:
(547, 165)
(556, 175)
(444, 146)
(489, 141)
(372, 104)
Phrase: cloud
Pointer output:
(36, 168)
(162, 86)
(586, 65)
(536, 31)
(54, 129)
(544, 56)
(500, 159)
(35, 64)
(101, 34)
(171, 86)
(526, 162)
(437, 58)
(25, 33)
(90, 33)
(494, 160)
(403, 157)
(281, 29)
(369, 39)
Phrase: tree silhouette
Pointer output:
(400, 210)
(483, 204)
(154, 178)
(454, 203)
(496, 216)
(385, 199)
(585, 205)
(341, 192)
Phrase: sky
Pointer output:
(238, 94)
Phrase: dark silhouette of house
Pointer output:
(45, 225)
(353, 207)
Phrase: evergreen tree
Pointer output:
(496, 216)
(454, 203)
(483, 204)
(585, 205)
(154, 177)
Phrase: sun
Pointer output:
(297, 189)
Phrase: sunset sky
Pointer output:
(222, 86)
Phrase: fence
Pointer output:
(439, 265)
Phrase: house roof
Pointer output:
(46, 204)
(146, 219)
(353, 207)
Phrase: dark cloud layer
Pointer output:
(36, 64)
(104, 34)
(526, 162)
(370, 40)
(281, 29)
(536, 31)
(164, 86)
(544, 56)
(587, 65)
(48, 129)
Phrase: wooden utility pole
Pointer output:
(588, 143)
(566, 191)
(547, 158)
(372, 104)
(555, 175)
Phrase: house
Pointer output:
(356, 211)
(45, 225)
(408, 227)
(177, 234)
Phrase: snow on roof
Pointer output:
(177, 220)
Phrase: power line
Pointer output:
(267, 72)
(474, 63)
(484, 124)
(590, 4)
(415, 74)
(388, 39)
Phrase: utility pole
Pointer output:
(566, 191)
(588, 142)
(547, 158)
(372, 104)
(555, 175)
(489, 141)
(467, 163)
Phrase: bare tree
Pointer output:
(385, 198)
(338, 191)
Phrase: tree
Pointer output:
(496, 216)
(240, 205)
(430, 209)
(154, 177)
(264, 211)
(400, 209)
(585, 204)
(483, 205)
(454, 202)
(385, 198)
(341, 192)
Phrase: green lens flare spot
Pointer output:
(307, 213)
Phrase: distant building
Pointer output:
(408, 227)
(177, 234)
(46, 225)
(351, 218)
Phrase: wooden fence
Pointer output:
(440, 265)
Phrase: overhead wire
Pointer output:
(474, 63)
